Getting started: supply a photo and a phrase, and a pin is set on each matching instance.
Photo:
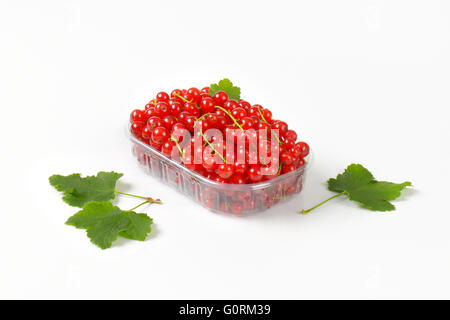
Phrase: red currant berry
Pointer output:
(224, 170)
(137, 127)
(230, 105)
(237, 207)
(195, 94)
(238, 113)
(288, 143)
(137, 115)
(288, 168)
(160, 135)
(150, 112)
(162, 96)
(221, 122)
(175, 93)
(192, 109)
(240, 168)
(209, 161)
(267, 115)
(281, 126)
(238, 179)
(220, 98)
(295, 151)
(190, 122)
(300, 163)
(167, 148)
(254, 174)
(154, 122)
(247, 123)
(286, 158)
(244, 104)
(151, 104)
(169, 121)
(146, 133)
(175, 108)
(253, 111)
(207, 105)
(162, 108)
(292, 135)
(304, 148)
(269, 172)
(220, 179)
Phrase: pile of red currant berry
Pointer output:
(187, 110)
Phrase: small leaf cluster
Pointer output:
(225, 85)
(103, 221)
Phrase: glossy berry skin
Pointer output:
(254, 174)
(288, 143)
(192, 108)
(150, 112)
(151, 104)
(146, 133)
(288, 168)
(137, 115)
(267, 115)
(207, 105)
(175, 93)
(224, 170)
(176, 108)
(269, 173)
(253, 111)
(230, 105)
(300, 163)
(209, 161)
(154, 122)
(169, 121)
(292, 135)
(238, 113)
(137, 127)
(281, 126)
(238, 179)
(303, 147)
(167, 148)
(162, 96)
(220, 98)
(162, 108)
(205, 90)
(244, 104)
(240, 168)
(247, 123)
(194, 94)
(160, 135)
(286, 158)
(190, 122)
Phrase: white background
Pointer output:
(361, 81)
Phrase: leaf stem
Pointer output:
(147, 199)
(229, 114)
(264, 120)
(323, 202)
(182, 98)
(178, 146)
(130, 195)
(138, 205)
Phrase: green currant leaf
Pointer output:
(104, 222)
(78, 191)
(225, 85)
(359, 184)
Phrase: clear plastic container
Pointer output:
(218, 197)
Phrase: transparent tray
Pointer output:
(218, 197)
